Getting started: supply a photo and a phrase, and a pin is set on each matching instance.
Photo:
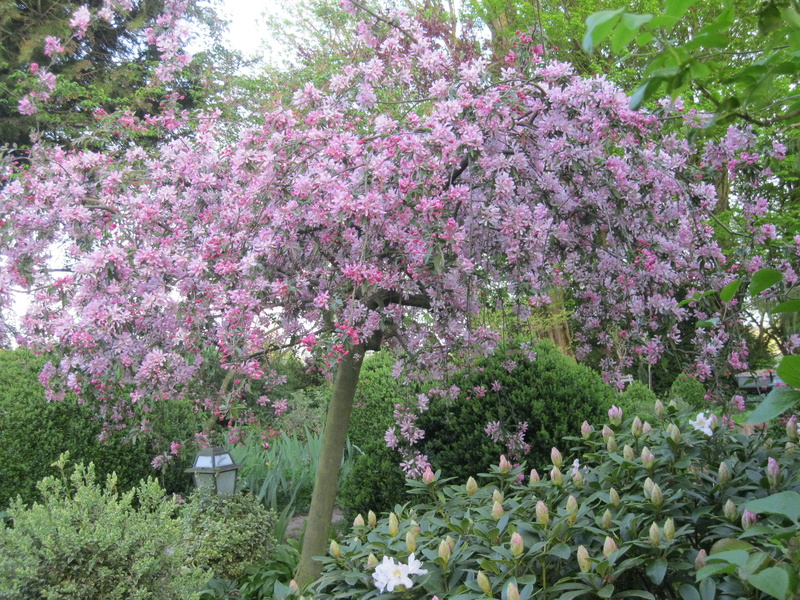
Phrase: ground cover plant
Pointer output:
(676, 508)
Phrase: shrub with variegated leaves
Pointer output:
(636, 510)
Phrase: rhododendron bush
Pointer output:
(388, 206)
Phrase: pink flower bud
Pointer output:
(656, 497)
(749, 519)
(615, 415)
(394, 525)
(636, 428)
(542, 514)
(578, 478)
(556, 476)
(607, 433)
(730, 511)
(586, 430)
(655, 535)
(584, 562)
(669, 529)
(791, 428)
(773, 473)
(517, 547)
(411, 542)
(613, 497)
(497, 511)
(648, 487)
(609, 547)
(296, 588)
(450, 542)
(372, 520)
(607, 520)
(572, 509)
(700, 560)
(512, 593)
(428, 476)
(674, 433)
(611, 444)
(505, 466)
(483, 583)
(555, 457)
(627, 453)
(335, 550)
(497, 496)
(724, 474)
(647, 429)
(472, 486)
(659, 409)
(358, 521)
(648, 460)
(444, 551)
(534, 478)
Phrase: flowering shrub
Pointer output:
(645, 510)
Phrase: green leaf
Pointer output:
(764, 279)
(688, 592)
(788, 306)
(656, 570)
(623, 36)
(708, 589)
(644, 92)
(676, 8)
(606, 591)
(731, 557)
(729, 291)
(786, 504)
(598, 26)
(635, 594)
(562, 551)
(632, 21)
(769, 19)
(773, 581)
(777, 402)
(791, 16)
(789, 370)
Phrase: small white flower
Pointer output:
(391, 574)
(415, 566)
(703, 423)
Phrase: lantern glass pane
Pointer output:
(226, 482)
(224, 460)
(204, 480)
(203, 461)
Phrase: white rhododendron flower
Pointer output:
(391, 574)
(703, 423)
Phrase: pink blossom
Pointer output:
(52, 45)
(80, 21)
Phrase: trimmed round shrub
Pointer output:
(227, 532)
(34, 432)
(90, 542)
(552, 394)
(637, 399)
(688, 515)
(689, 390)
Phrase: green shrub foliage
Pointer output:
(657, 511)
(34, 432)
(91, 542)
(227, 532)
(552, 394)
(637, 399)
(689, 390)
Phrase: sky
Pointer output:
(246, 23)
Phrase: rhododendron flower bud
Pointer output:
(659, 409)
(700, 560)
(444, 551)
(394, 525)
(450, 542)
(611, 444)
(607, 433)
(497, 496)
(669, 529)
(584, 562)
(335, 550)
(636, 428)
(648, 460)
(572, 509)
(627, 453)
(648, 487)
(577, 478)
(372, 520)
(534, 478)
(411, 541)
(724, 474)
(647, 429)
(497, 511)
(656, 497)
(428, 476)
(517, 547)
(674, 433)
(749, 519)
(505, 466)
(296, 588)
(556, 476)
(512, 593)
(773, 473)
(608, 519)
(586, 430)
(730, 511)
(542, 514)
(615, 415)
(472, 486)
(483, 583)
(613, 496)
(791, 428)
(609, 547)
(358, 521)
(655, 535)
(555, 457)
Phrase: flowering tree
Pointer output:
(387, 207)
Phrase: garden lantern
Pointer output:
(214, 468)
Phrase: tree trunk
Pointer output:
(315, 542)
